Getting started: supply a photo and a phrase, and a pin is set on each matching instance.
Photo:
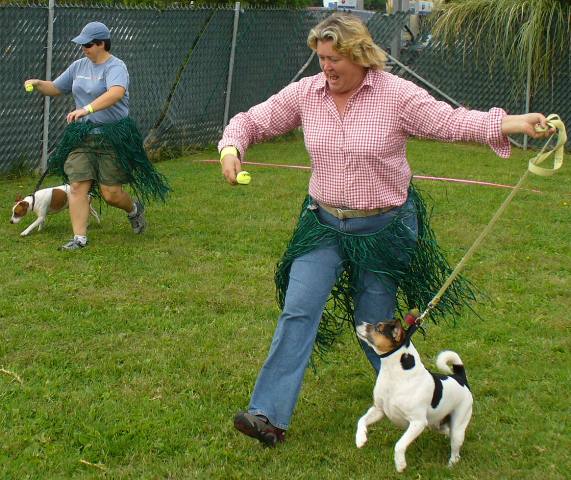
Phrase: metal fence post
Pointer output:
(49, 50)
(527, 95)
(231, 63)
(398, 6)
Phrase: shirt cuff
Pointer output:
(497, 141)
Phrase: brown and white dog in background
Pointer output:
(43, 203)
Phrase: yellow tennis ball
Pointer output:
(29, 87)
(243, 178)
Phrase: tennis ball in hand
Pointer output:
(243, 178)
(29, 87)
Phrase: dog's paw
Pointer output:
(454, 459)
(24, 234)
(400, 462)
(444, 429)
(360, 439)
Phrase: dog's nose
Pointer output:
(11, 220)
(362, 330)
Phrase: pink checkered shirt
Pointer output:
(358, 161)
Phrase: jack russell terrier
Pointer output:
(412, 397)
(47, 201)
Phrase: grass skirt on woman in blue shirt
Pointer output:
(126, 140)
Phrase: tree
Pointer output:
(376, 5)
(522, 33)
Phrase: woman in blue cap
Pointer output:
(101, 145)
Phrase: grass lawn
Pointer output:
(135, 353)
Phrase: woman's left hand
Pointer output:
(531, 124)
(231, 166)
(76, 115)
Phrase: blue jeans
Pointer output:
(311, 279)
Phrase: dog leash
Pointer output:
(553, 121)
(40, 181)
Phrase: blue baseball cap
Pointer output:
(92, 31)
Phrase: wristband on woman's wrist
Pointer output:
(88, 108)
(228, 151)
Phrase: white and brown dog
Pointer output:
(43, 203)
(412, 397)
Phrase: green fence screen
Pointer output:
(178, 61)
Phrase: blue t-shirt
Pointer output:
(87, 81)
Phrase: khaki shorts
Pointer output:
(94, 161)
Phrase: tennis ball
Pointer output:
(29, 87)
(243, 178)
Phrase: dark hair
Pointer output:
(106, 42)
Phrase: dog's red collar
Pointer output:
(407, 339)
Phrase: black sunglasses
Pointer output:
(90, 44)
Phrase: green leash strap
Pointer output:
(553, 121)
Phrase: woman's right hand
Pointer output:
(32, 81)
(45, 87)
(230, 167)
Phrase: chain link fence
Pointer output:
(178, 61)
(472, 81)
(179, 65)
(23, 34)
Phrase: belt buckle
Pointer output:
(340, 213)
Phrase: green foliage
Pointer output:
(517, 32)
(376, 5)
(135, 353)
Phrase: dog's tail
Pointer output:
(450, 363)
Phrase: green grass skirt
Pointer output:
(419, 269)
(126, 140)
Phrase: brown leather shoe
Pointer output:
(259, 427)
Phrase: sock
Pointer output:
(81, 239)
(133, 212)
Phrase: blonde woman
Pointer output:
(363, 229)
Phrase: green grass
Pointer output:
(135, 353)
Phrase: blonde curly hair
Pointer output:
(350, 38)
